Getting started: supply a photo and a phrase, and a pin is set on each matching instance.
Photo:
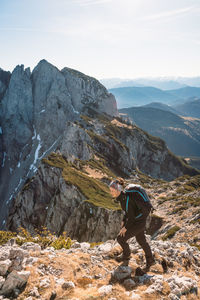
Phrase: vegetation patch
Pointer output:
(178, 209)
(170, 233)
(43, 237)
(94, 244)
(115, 132)
(86, 118)
(5, 236)
(95, 191)
(195, 245)
(98, 139)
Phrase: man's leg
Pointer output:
(141, 239)
(122, 240)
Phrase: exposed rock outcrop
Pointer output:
(34, 110)
(87, 91)
(86, 271)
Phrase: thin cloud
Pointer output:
(19, 29)
(91, 2)
(169, 14)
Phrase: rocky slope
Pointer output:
(91, 272)
(65, 195)
(34, 108)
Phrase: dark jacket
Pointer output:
(137, 209)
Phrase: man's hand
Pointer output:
(122, 231)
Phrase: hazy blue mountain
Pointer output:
(191, 81)
(182, 135)
(185, 93)
(160, 83)
(137, 96)
(162, 106)
(190, 108)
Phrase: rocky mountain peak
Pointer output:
(93, 93)
(34, 110)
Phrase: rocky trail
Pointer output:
(90, 272)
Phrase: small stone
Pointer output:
(97, 276)
(76, 245)
(121, 273)
(129, 284)
(2, 280)
(60, 281)
(135, 296)
(85, 246)
(45, 283)
(34, 292)
(105, 289)
(105, 247)
(30, 246)
(68, 285)
(18, 253)
(4, 266)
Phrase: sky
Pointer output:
(103, 38)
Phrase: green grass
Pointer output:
(170, 233)
(116, 133)
(98, 139)
(95, 191)
(178, 210)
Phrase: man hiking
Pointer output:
(136, 204)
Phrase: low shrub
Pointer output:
(170, 233)
(43, 237)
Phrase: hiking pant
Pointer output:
(138, 231)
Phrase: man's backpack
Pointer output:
(133, 189)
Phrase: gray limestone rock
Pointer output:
(75, 143)
(4, 266)
(121, 273)
(35, 109)
(87, 91)
(14, 280)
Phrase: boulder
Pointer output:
(105, 289)
(4, 266)
(68, 285)
(30, 246)
(129, 284)
(121, 273)
(13, 281)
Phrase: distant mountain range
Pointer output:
(137, 96)
(164, 83)
(191, 108)
(181, 134)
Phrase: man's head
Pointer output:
(116, 187)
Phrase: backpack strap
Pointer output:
(136, 191)
(127, 200)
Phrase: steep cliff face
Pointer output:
(69, 192)
(87, 91)
(34, 110)
(4, 81)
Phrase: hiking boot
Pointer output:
(150, 262)
(123, 258)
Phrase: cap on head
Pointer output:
(115, 184)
